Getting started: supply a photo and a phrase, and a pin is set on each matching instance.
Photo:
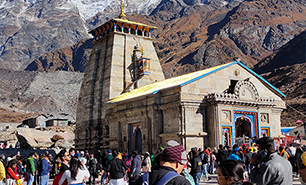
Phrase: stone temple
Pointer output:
(126, 104)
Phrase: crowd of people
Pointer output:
(263, 163)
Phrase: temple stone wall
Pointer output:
(140, 112)
(171, 120)
(211, 121)
(93, 95)
(156, 128)
(275, 118)
(108, 73)
(193, 120)
(192, 142)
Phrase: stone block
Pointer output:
(192, 142)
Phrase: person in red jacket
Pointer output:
(11, 177)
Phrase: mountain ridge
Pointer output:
(285, 70)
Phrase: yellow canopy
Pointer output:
(168, 83)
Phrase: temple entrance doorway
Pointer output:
(138, 141)
(243, 127)
(226, 139)
(136, 138)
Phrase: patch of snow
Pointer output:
(32, 1)
(224, 3)
(89, 8)
(143, 7)
(23, 9)
(2, 4)
(204, 2)
(8, 5)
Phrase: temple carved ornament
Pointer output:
(245, 93)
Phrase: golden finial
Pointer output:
(122, 15)
(142, 52)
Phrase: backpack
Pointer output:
(57, 179)
(39, 166)
(20, 169)
(93, 166)
(206, 158)
(144, 180)
(289, 152)
(167, 177)
(188, 177)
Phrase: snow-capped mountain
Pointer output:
(89, 8)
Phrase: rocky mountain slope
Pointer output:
(28, 30)
(250, 31)
(14, 116)
(286, 70)
(72, 58)
(52, 93)
(195, 36)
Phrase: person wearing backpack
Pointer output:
(93, 169)
(196, 167)
(135, 172)
(30, 169)
(173, 159)
(212, 162)
(44, 171)
(291, 151)
(20, 168)
(283, 152)
(205, 162)
(248, 156)
(222, 154)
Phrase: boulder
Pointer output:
(63, 144)
(48, 138)
(31, 138)
(8, 136)
(56, 138)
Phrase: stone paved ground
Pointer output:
(213, 181)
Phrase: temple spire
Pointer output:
(122, 15)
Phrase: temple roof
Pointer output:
(121, 20)
(182, 81)
(133, 23)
